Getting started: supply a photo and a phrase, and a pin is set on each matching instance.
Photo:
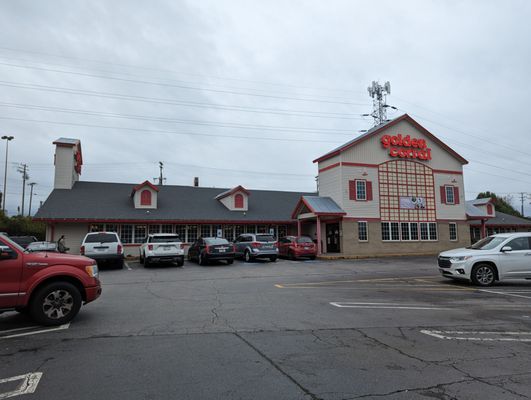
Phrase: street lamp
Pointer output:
(7, 139)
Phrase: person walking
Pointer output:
(61, 247)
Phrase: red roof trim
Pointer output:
(162, 221)
(238, 188)
(145, 183)
(388, 125)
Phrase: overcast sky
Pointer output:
(250, 92)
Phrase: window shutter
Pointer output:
(368, 187)
(456, 195)
(352, 190)
(443, 195)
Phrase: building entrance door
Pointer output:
(332, 238)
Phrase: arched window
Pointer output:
(238, 201)
(145, 198)
(489, 209)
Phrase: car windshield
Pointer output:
(488, 243)
(304, 239)
(265, 238)
(101, 238)
(214, 241)
(165, 239)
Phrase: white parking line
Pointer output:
(127, 266)
(45, 330)
(392, 306)
(505, 293)
(29, 384)
(482, 336)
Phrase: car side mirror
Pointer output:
(6, 253)
(506, 249)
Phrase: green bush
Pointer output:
(22, 226)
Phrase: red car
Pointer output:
(296, 247)
(50, 287)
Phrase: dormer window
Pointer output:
(145, 197)
(236, 199)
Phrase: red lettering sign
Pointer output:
(406, 147)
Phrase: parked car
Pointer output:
(43, 246)
(204, 250)
(104, 247)
(23, 241)
(50, 287)
(251, 246)
(495, 258)
(162, 247)
(296, 247)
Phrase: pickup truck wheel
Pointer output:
(55, 304)
(247, 256)
(483, 275)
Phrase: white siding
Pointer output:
(330, 185)
(229, 202)
(74, 235)
(449, 211)
(65, 174)
(365, 209)
(137, 196)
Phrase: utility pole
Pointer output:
(7, 139)
(23, 168)
(31, 196)
(379, 101)
(161, 178)
(523, 197)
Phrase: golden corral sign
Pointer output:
(406, 147)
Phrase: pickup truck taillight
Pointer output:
(82, 250)
(255, 244)
(150, 247)
(119, 249)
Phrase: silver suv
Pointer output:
(103, 247)
(495, 258)
(251, 246)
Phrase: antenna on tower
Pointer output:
(379, 101)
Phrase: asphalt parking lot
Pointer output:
(346, 329)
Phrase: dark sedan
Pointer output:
(204, 250)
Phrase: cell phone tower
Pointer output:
(379, 101)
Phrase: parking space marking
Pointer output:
(45, 330)
(512, 294)
(28, 385)
(127, 266)
(393, 306)
(480, 336)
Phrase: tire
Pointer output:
(141, 260)
(483, 275)
(273, 259)
(180, 263)
(68, 303)
(201, 260)
(247, 256)
(229, 262)
(147, 263)
(119, 264)
(312, 257)
(291, 256)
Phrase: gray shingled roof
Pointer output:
(504, 219)
(472, 211)
(323, 204)
(112, 201)
(67, 140)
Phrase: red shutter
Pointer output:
(352, 190)
(368, 187)
(456, 195)
(145, 198)
(238, 201)
(443, 195)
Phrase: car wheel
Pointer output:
(483, 275)
(229, 262)
(119, 264)
(247, 256)
(141, 260)
(180, 263)
(147, 263)
(201, 259)
(55, 304)
(292, 256)
(273, 259)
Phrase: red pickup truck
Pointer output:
(50, 287)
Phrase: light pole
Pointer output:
(7, 139)
(31, 196)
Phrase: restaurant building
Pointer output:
(396, 189)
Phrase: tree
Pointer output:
(501, 203)
(22, 226)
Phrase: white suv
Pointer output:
(162, 247)
(495, 258)
(104, 247)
